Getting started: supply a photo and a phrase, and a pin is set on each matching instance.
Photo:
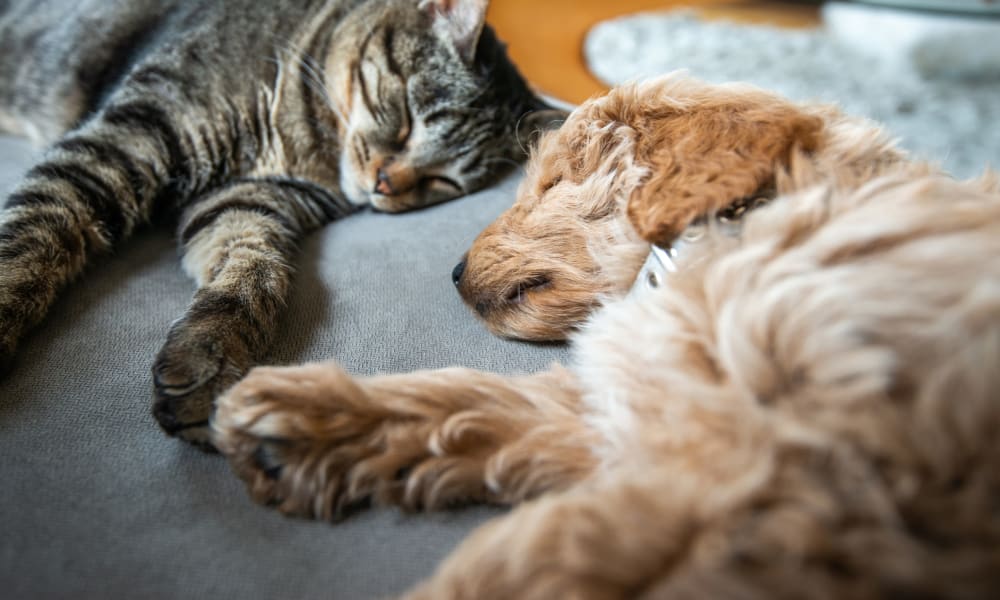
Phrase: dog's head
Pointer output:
(631, 168)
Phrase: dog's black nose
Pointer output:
(456, 273)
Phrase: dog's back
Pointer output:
(827, 386)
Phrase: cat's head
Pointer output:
(433, 107)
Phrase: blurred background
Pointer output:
(546, 37)
(928, 70)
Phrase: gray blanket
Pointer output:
(96, 502)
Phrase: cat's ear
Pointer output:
(460, 22)
(533, 124)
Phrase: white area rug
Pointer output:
(953, 122)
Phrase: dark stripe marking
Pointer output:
(306, 90)
(357, 150)
(334, 206)
(387, 47)
(145, 116)
(473, 164)
(32, 198)
(456, 127)
(361, 80)
(203, 220)
(365, 148)
(111, 155)
(33, 232)
(93, 192)
(154, 75)
(437, 115)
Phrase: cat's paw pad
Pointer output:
(180, 371)
(188, 375)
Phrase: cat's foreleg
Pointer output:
(238, 244)
(315, 442)
(93, 189)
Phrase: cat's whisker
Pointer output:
(517, 134)
(317, 85)
(309, 81)
(314, 76)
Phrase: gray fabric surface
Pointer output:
(97, 503)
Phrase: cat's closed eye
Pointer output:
(440, 183)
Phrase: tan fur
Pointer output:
(658, 154)
(808, 411)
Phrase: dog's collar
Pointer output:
(662, 261)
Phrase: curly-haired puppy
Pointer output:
(806, 410)
(659, 155)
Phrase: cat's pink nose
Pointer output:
(383, 184)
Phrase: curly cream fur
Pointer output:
(808, 411)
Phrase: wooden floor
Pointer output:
(545, 37)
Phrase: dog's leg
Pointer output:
(314, 441)
(613, 538)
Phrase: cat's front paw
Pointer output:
(192, 369)
(310, 441)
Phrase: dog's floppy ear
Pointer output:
(706, 156)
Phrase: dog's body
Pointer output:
(805, 411)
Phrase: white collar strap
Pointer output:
(662, 261)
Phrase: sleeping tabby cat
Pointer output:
(250, 123)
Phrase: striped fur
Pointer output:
(249, 123)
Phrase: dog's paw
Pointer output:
(191, 370)
(309, 441)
